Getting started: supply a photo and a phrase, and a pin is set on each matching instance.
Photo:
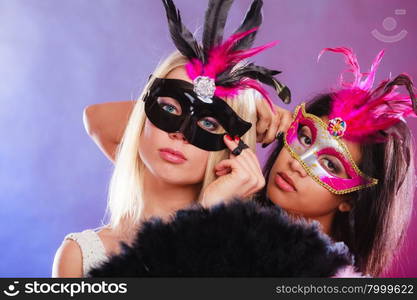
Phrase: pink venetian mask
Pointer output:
(325, 157)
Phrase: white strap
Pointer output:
(92, 248)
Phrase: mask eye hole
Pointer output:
(333, 166)
(304, 135)
(170, 105)
(211, 125)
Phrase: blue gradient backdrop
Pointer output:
(58, 56)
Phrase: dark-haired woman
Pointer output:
(362, 196)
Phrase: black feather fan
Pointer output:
(237, 239)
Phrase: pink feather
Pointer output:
(367, 111)
(194, 68)
(223, 57)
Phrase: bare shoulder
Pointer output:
(68, 260)
(110, 240)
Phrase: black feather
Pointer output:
(406, 81)
(252, 19)
(284, 93)
(262, 74)
(182, 37)
(235, 239)
(215, 20)
(250, 70)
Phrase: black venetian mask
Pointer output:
(173, 106)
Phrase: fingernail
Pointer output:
(279, 135)
(229, 137)
(237, 138)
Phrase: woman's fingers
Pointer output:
(245, 167)
(231, 143)
(241, 160)
(237, 169)
(248, 158)
(238, 176)
(285, 120)
(264, 118)
(221, 168)
(281, 123)
(273, 127)
(257, 180)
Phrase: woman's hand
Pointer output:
(239, 176)
(269, 124)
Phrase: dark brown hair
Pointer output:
(377, 223)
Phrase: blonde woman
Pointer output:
(211, 103)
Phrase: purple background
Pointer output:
(56, 57)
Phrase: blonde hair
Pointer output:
(125, 199)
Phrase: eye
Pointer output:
(209, 124)
(170, 105)
(304, 135)
(332, 165)
(306, 140)
(169, 108)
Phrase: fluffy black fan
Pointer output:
(237, 239)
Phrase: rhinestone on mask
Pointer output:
(337, 127)
(204, 87)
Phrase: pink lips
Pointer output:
(172, 156)
(284, 182)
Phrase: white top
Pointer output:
(92, 248)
